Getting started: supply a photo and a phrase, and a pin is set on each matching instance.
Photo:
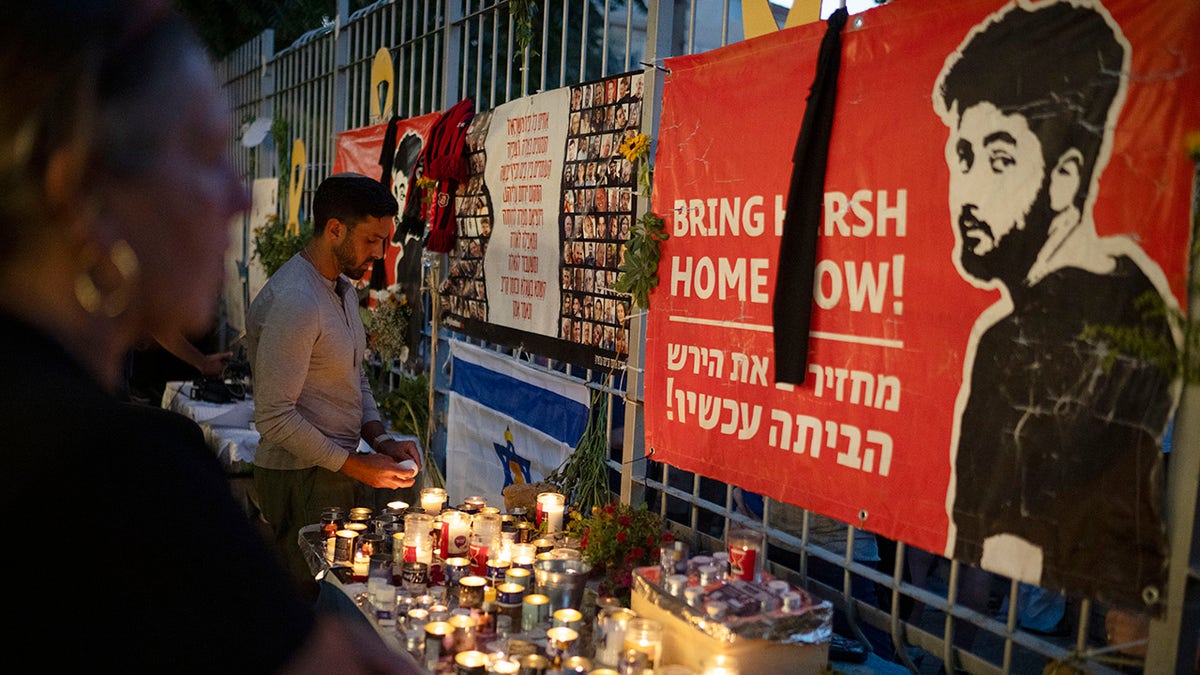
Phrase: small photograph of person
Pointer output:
(469, 227)
(622, 119)
(623, 88)
(568, 253)
(577, 249)
(626, 200)
(598, 119)
(602, 227)
(622, 307)
(587, 96)
(591, 174)
(601, 255)
(577, 274)
(601, 198)
(606, 147)
(485, 226)
(568, 228)
(568, 201)
(576, 98)
(566, 283)
(577, 332)
(585, 122)
(610, 88)
(637, 85)
(583, 199)
(566, 328)
(610, 117)
(572, 150)
(594, 147)
(622, 340)
(626, 172)
(586, 337)
(574, 124)
(635, 115)
(589, 227)
(589, 254)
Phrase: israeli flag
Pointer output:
(507, 423)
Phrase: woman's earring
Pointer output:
(91, 298)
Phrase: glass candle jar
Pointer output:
(745, 548)
(456, 533)
(432, 500)
(485, 533)
(646, 636)
(550, 508)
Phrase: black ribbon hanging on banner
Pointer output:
(792, 307)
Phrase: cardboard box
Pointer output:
(775, 642)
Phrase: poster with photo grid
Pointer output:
(542, 223)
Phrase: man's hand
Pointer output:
(400, 451)
(377, 470)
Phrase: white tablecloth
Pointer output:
(177, 396)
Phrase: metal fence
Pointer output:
(925, 610)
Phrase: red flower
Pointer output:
(636, 553)
(624, 521)
(621, 537)
(649, 541)
(668, 537)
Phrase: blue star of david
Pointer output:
(511, 461)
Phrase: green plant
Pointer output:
(616, 538)
(406, 408)
(583, 475)
(639, 271)
(274, 245)
(523, 12)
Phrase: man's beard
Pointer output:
(347, 263)
(1011, 257)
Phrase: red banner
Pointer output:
(359, 150)
(956, 398)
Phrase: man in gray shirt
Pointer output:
(312, 399)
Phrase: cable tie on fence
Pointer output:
(656, 66)
(648, 455)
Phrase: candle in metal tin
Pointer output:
(543, 545)
(569, 617)
(520, 514)
(673, 558)
(414, 575)
(534, 664)
(464, 631)
(380, 523)
(511, 594)
(505, 665)
(397, 507)
(439, 640)
(525, 532)
(360, 514)
(694, 596)
(674, 584)
(792, 601)
(707, 575)
(438, 612)
(603, 671)
(490, 510)
(474, 503)
(370, 544)
(417, 617)
(696, 562)
(576, 664)
(721, 560)
(521, 576)
(359, 526)
(560, 641)
(509, 599)
(496, 569)
(398, 551)
(470, 591)
(455, 568)
(536, 612)
(343, 547)
(470, 662)
(716, 609)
